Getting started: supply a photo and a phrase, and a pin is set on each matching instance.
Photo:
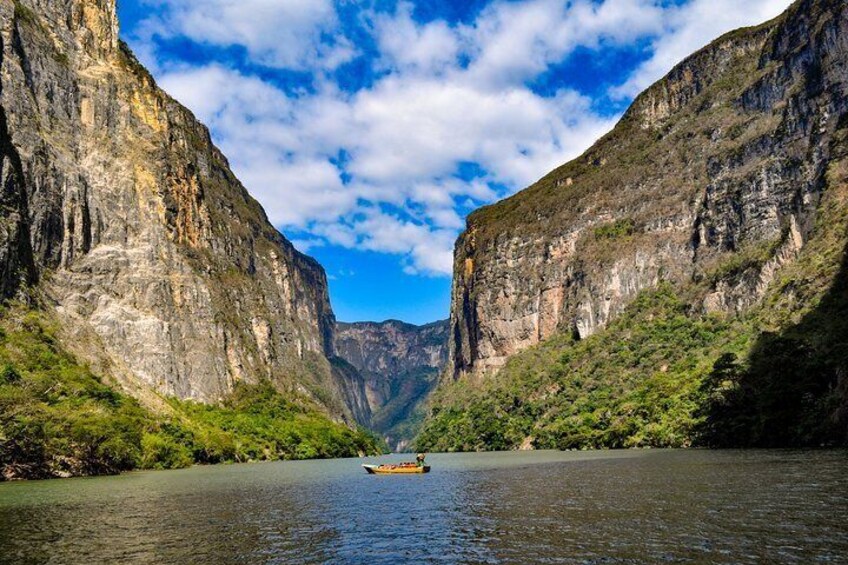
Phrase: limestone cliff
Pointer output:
(713, 178)
(162, 269)
(399, 364)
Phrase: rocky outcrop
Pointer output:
(161, 267)
(399, 365)
(354, 391)
(16, 259)
(712, 179)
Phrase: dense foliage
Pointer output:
(57, 418)
(659, 376)
(635, 384)
(258, 423)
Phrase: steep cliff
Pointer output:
(723, 156)
(160, 267)
(399, 364)
(716, 181)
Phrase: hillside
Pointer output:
(58, 418)
(682, 280)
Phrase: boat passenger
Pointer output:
(419, 460)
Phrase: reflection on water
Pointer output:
(542, 507)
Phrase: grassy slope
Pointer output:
(665, 374)
(57, 418)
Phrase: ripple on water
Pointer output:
(543, 507)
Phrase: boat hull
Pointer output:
(396, 470)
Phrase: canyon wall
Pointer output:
(121, 215)
(712, 179)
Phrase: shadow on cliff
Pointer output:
(793, 389)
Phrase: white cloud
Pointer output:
(377, 169)
(408, 46)
(307, 244)
(404, 139)
(515, 41)
(290, 34)
(416, 129)
(429, 250)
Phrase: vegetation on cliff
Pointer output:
(58, 418)
(637, 383)
(667, 374)
(661, 375)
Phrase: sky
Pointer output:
(369, 129)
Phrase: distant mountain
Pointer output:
(400, 364)
(683, 280)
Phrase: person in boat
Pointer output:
(419, 460)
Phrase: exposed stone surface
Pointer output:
(158, 262)
(712, 177)
(399, 364)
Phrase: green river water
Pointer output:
(609, 507)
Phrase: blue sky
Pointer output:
(370, 129)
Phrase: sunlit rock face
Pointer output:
(161, 267)
(399, 365)
(713, 177)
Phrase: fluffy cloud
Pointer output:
(417, 129)
(408, 46)
(386, 168)
(403, 143)
(291, 34)
(513, 42)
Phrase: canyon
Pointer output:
(130, 253)
(682, 282)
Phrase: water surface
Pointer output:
(528, 507)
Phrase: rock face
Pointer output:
(160, 265)
(399, 365)
(713, 177)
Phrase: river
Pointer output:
(652, 506)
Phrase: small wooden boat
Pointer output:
(399, 469)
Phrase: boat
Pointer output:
(399, 469)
